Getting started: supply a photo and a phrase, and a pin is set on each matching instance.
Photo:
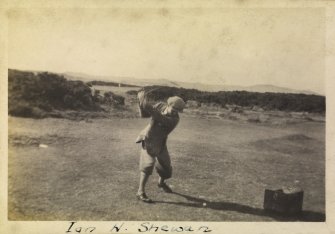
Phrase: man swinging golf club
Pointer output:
(154, 153)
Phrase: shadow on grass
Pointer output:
(305, 216)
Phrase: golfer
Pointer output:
(154, 153)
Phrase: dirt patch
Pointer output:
(23, 140)
(295, 144)
(298, 137)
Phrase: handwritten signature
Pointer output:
(144, 227)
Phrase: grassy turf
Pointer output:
(90, 170)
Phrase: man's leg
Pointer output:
(147, 163)
(161, 181)
(164, 169)
(143, 181)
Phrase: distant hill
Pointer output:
(262, 88)
(275, 89)
(38, 93)
(119, 79)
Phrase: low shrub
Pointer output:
(132, 92)
(265, 101)
(113, 99)
(34, 95)
(26, 110)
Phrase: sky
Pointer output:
(236, 46)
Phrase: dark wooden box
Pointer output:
(284, 203)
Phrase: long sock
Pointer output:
(161, 181)
(143, 181)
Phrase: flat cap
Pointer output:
(177, 103)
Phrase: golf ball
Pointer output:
(204, 204)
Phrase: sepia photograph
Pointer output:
(166, 114)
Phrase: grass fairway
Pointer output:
(89, 171)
